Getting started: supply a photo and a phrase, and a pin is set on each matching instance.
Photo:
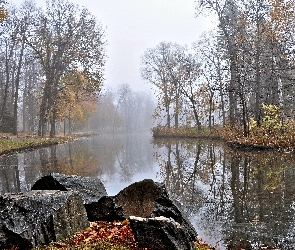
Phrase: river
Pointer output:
(236, 198)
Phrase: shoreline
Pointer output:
(219, 135)
(13, 144)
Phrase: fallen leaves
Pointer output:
(114, 233)
(202, 245)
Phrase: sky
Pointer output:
(133, 26)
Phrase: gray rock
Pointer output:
(91, 189)
(105, 209)
(146, 199)
(34, 218)
(160, 233)
(150, 199)
(139, 199)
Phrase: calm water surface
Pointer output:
(243, 199)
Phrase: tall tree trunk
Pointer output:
(197, 119)
(17, 80)
(43, 110)
(221, 98)
(7, 79)
(210, 109)
(257, 106)
(53, 108)
(232, 88)
(176, 116)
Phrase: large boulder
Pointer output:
(160, 233)
(105, 209)
(34, 218)
(145, 199)
(138, 199)
(90, 188)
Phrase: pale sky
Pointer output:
(132, 26)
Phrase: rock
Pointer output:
(91, 189)
(105, 209)
(150, 199)
(139, 198)
(34, 218)
(160, 233)
(145, 199)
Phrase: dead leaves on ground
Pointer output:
(119, 233)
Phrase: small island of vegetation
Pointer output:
(270, 134)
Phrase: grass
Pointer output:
(13, 144)
(187, 132)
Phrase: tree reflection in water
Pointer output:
(231, 197)
(234, 199)
(118, 160)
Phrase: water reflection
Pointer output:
(117, 160)
(241, 200)
(236, 199)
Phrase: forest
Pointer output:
(51, 65)
(240, 74)
(52, 74)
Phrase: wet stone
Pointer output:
(150, 199)
(91, 189)
(35, 218)
(139, 198)
(160, 233)
(105, 209)
(145, 199)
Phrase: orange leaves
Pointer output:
(282, 17)
(119, 233)
(77, 98)
(3, 13)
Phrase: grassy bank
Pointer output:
(265, 137)
(187, 132)
(11, 144)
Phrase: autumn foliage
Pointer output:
(108, 236)
(100, 235)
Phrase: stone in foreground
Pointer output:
(150, 199)
(91, 189)
(160, 233)
(30, 219)
(146, 199)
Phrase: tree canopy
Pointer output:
(41, 49)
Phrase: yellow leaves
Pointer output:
(252, 123)
(3, 13)
(76, 98)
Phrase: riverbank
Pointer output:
(10, 144)
(260, 138)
